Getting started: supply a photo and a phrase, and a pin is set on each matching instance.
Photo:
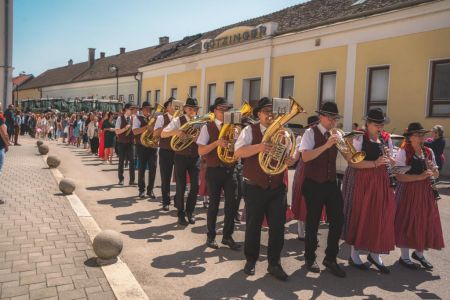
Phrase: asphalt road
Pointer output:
(172, 262)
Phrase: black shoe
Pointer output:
(237, 218)
(182, 221)
(205, 204)
(151, 195)
(142, 195)
(211, 243)
(190, 218)
(409, 264)
(362, 266)
(313, 267)
(132, 183)
(423, 261)
(383, 269)
(231, 243)
(121, 182)
(301, 238)
(166, 207)
(249, 268)
(277, 272)
(334, 268)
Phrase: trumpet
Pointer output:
(345, 146)
(282, 141)
(147, 138)
(191, 131)
(230, 133)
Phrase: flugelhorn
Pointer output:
(345, 145)
(230, 133)
(191, 131)
(148, 139)
(282, 141)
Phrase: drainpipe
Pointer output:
(138, 77)
(6, 65)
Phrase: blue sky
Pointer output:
(47, 33)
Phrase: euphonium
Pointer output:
(282, 141)
(148, 139)
(191, 131)
(345, 146)
(230, 133)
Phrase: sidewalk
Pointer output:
(44, 250)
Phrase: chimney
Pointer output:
(70, 62)
(122, 50)
(163, 40)
(102, 54)
(91, 56)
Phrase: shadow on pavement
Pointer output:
(155, 233)
(119, 202)
(108, 187)
(145, 217)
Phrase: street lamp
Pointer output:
(112, 68)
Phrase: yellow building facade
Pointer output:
(384, 60)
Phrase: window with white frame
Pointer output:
(229, 91)
(439, 105)
(211, 93)
(131, 98)
(157, 96)
(377, 88)
(327, 87)
(193, 91)
(287, 86)
(173, 92)
(148, 96)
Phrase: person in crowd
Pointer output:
(17, 124)
(437, 144)
(109, 136)
(92, 133)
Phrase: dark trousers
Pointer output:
(16, 134)
(240, 184)
(190, 165)
(217, 179)
(147, 157)
(259, 203)
(316, 196)
(94, 145)
(166, 157)
(125, 151)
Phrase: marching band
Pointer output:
(387, 199)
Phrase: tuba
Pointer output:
(345, 145)
(191, 131)
(230, 132)
(147, 138)
(282, 141)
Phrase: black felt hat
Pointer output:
(191, 102)
(312, 120)
(220, 101)
(263, 102)
(329, 109)
(376, 115)
(167, 103)
(415, 127)
(146, 104)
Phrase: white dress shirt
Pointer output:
(400, 158)
(203, 138)
(160, 121)
(175, 124)
(245, 137)
(358, 142)
(307, 142)
(119, 121)
(137, 122)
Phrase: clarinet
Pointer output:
(433, 182)
(392, 181)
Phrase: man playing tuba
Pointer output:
(186, 160)
(264, 195)
(145, 154)
(218, 176)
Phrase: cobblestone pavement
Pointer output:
(172, 262)
(44, 250)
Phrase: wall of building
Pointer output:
(27, 94)
(182, 82)
(152, 84)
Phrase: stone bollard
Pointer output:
(67, 186)
(39, 142)
(43, 149)
(53, 161)
(107, 246)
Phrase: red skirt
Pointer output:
(370, 212)
(298, 205)
(417, 221)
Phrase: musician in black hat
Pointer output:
(320, 188)
(218, 176)
(147, 156)
(125, 142)
(186, 160)
(166, 153)
(264, 195)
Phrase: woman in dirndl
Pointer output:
(417, 221)
(369, 203)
